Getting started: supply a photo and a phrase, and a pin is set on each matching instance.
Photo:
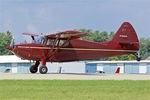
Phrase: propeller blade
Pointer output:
(12, 43)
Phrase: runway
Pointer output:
(12, 76)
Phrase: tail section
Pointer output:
(126, 37)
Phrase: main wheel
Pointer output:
(43, 69)
(33, 69)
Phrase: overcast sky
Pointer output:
(48, 16)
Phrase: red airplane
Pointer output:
(67, 46)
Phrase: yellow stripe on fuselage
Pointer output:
(82, 49)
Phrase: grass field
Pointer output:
(74, 90)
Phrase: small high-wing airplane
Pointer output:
(67, 46)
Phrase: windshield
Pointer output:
(40, 40)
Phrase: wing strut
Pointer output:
(55, 47)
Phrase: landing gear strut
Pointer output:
(34, 68)
(43, 69)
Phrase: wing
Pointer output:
(72, 34)
(31, 34)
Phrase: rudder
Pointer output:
(126, 35)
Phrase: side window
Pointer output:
(50, 42)
(62, 43)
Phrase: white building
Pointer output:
(131, 67)
(14, 64)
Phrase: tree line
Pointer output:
(5, 39)
(96, 36)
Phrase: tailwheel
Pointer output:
(43, 69)
(33, 69)
(137, 55)
(138, 58)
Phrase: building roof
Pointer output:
(15, 59)
(134, 61)
(12, 59)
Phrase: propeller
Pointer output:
(11, 45)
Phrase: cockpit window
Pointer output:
(50, 42)
(57, 43)
(40, 40)
(61, 42)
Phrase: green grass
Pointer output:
(74, 90)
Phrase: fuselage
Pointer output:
(73, 50)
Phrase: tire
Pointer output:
(43, 69)
(138, 59)
(33, 69)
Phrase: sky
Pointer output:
(51, 16)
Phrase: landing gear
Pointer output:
(43, 69)
(34, 68)
(138, 58)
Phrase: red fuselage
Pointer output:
(67, 46)
(75, 50)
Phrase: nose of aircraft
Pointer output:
(11, 45)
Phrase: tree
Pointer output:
(111, 35)
(5, 39)
(95, 36)
(144, 48)
(122, 57)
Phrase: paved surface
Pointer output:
(5, 76)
